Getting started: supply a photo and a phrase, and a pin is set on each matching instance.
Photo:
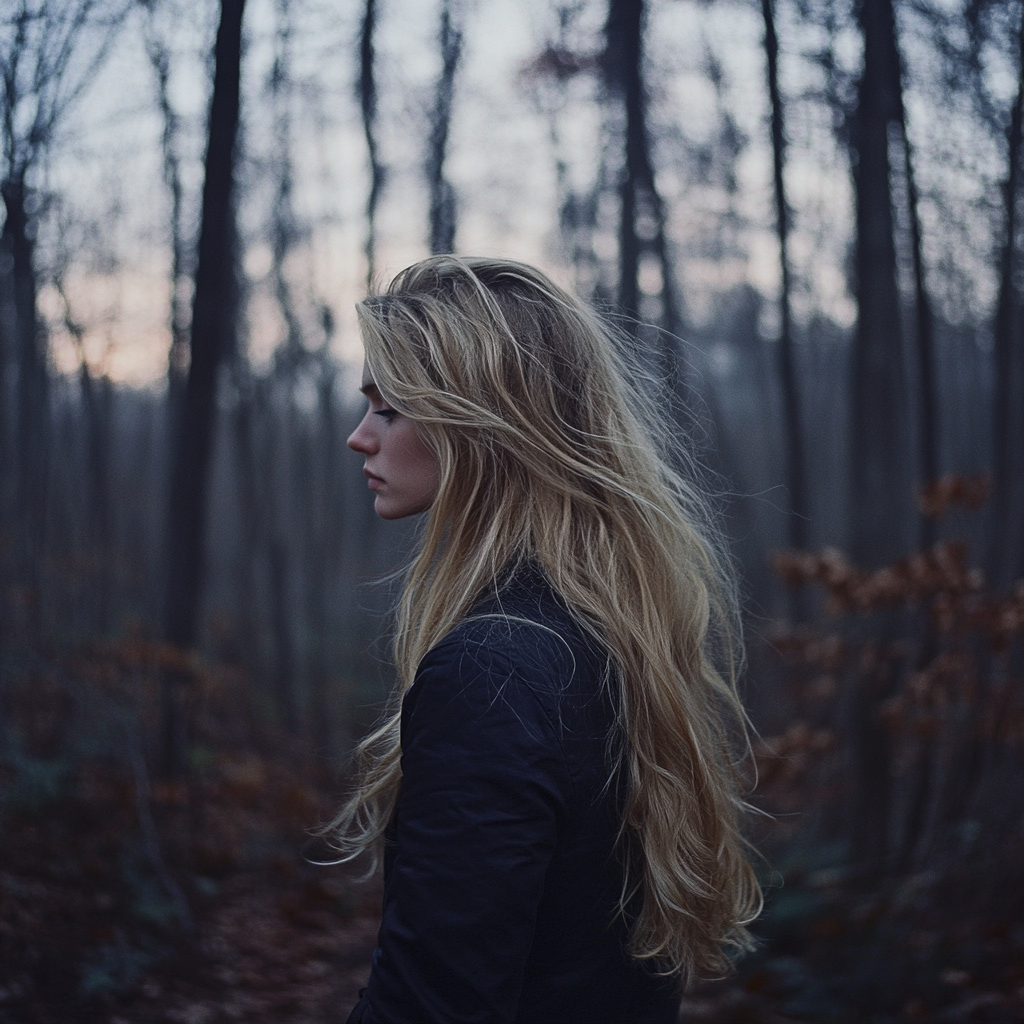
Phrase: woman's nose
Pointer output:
(361, 439)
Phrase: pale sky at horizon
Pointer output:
(106, 167)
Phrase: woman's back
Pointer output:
(502, 872)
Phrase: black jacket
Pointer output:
(501, 878)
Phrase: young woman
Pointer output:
(556, 791)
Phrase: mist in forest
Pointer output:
(801, 215)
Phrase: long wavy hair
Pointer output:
(552, 450)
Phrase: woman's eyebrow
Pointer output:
(370, 390)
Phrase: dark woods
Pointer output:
(187, 641)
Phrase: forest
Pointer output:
(806, 216)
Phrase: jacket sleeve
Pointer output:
(483, 785)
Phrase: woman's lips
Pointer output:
(372, 481)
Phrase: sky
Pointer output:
(112, 231)
(106, 229)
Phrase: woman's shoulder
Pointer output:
(522, 638)
(525, 623)
(518, 675)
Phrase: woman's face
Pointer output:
(401, 470)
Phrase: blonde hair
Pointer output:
(550, 451)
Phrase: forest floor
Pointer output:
(198, 906)
(88, 937)
(90, 933)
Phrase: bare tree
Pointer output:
(642, 212)
(924, 332)
(50, 52)
(793, 428)
(880, 480)
(880, 427)
(368, 107)
(1005, 430)
(159, 54)
(248, 430)
(289, 359)
(443, 206)
(97, 405)
(212, 339)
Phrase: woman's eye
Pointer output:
(388, 414)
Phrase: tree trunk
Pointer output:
(924, 337)
(325, 536)
(213, 314)
(368, 107)
(8, 357)
(880, 429)
(251, 475)
(642, 212)
(283, 226)
(97, 404)
(1005, 429)
(881, 513)
(797, 522)
(17, 250)
(623, 54)
(178, 356)
(97, 400)
(443, 212)
(922, 768)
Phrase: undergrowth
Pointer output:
(109, 878)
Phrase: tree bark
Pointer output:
(368, 107)
(178, 356)
(21, 323)
(639, 197)
(623, 54)
(322, 536)
(881, 513)
(284, 229)
(923, 768)
(924, 338)
(879, 439)
(247, 428)
(797, 522)
(1005, 429)
(928, 456)
(97, 402)
(443, 213)
(213, 314)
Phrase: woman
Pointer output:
(556, 793)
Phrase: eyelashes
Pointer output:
(387, 414)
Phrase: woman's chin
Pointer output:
(390, 510)
(386, 509)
